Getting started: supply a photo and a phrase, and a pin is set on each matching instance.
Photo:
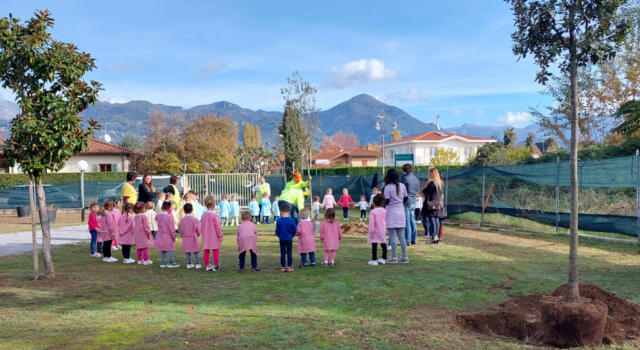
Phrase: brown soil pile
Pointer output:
(355, 228)
(599, 318)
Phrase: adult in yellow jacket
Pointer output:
(293, 195)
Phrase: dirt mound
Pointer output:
(355, 228)
(599, 318)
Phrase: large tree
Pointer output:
(46, 77)
(339, 141)
(510, 137)
(210, 140)
(568, 34)
(293, 140)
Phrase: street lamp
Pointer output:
(380, 126)
(82, 166)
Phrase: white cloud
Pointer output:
(479, 112)
(411, 95)
(362, 71)
(516, 119)
(116, 99)
(213, 66)
(457, 112)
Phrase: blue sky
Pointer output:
(451, 58)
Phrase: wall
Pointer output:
(423, 151)
(357, 161)
(94, 160)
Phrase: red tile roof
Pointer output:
(356, 152)
(101, 147)
(438, 136)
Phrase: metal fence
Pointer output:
(219, 184)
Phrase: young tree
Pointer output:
(509, 138)
(257, 136)
(572, 33)
(293, 138)
(396, 135)
(46, 77)
(248, 135)
(339, 141)
(530, 141)
(131, 141)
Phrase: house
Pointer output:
(101, 156)
(354, 157)
(425, 146)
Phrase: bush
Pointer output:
(8, 181)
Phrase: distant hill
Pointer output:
(356, 115)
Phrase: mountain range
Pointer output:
(356, 115)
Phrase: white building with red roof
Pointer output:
(425, 146)
(101, 157)
(354, 157)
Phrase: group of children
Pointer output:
(345, 202)
(139, 224)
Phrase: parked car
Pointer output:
(19, 196)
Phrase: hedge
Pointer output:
(369, 170)
(8, 181)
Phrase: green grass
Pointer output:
(93, 305)
(507, 221)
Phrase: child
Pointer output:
(234, 213)
(117, 212)
(166, 242)
(344, 201)
(328, 201)
(211, 234)
(374, 192)
(125, 228)
(275, 208)
(107, 229)
(150, 213)
(254, 209)
(185, 199)
(418, 207)
(306, 239)
(143, 232)
(225, 208)
(94, 226)
(190, 231)
(174, 214)
(378, 230)
(330, 236)
(161, 197)
(247, 239)
(198, 209)
(265, 209)
(363, 207)
(286, 230)
(168, 197)
(316, 207)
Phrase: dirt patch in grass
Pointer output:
(355, 228)
(599, 318)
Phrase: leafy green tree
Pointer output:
(530, 141)
(445, 157)
(46, 77)
(293, 138)
(509, 138)
(163, 163)
(571, 34)
(629, 114)
(131, 141)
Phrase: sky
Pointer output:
(449, 58)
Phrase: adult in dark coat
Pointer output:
(433, 209)
(146, 191)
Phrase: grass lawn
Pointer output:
(94, 305)
(12, 223)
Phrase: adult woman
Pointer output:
(146, 191)
(432, 208)
(395, 193)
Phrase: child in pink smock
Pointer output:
(126, 239)
(211, 234)
(166, 238)
(306, 239)
(107, 233)
(330, 235)
(328, 201)
(142, 234)
(247, 239)
(378, 230)
(117, 213)
(190, 231)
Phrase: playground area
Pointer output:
(92, 305)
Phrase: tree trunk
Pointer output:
(34, 235)
(49, 271)
(573, 292)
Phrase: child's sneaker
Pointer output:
(283, 269)
(190, 266)
(115, 248)
(140, 262)
(163, 265)
(290, 269)
(257, 269)
(198, 266)
(209, 268)
(128, 261)
(148, 262)
(382, 261)
(324, 263)
(373, 262)
(333, 263)
(110, 259)
(392, 261)
(173, 265)
(312, 264)
(96, 255)
(216, 267)
(404, 260)
(241, 271)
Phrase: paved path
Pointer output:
(20, 242)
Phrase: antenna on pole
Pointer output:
(438, 122)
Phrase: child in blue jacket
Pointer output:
(285, 230)
(265, 209)
(254, 210)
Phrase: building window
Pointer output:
(434, 151)
(103, 168)
(468, 152)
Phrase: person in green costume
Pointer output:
(293, 195)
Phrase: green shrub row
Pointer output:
(8, 181)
